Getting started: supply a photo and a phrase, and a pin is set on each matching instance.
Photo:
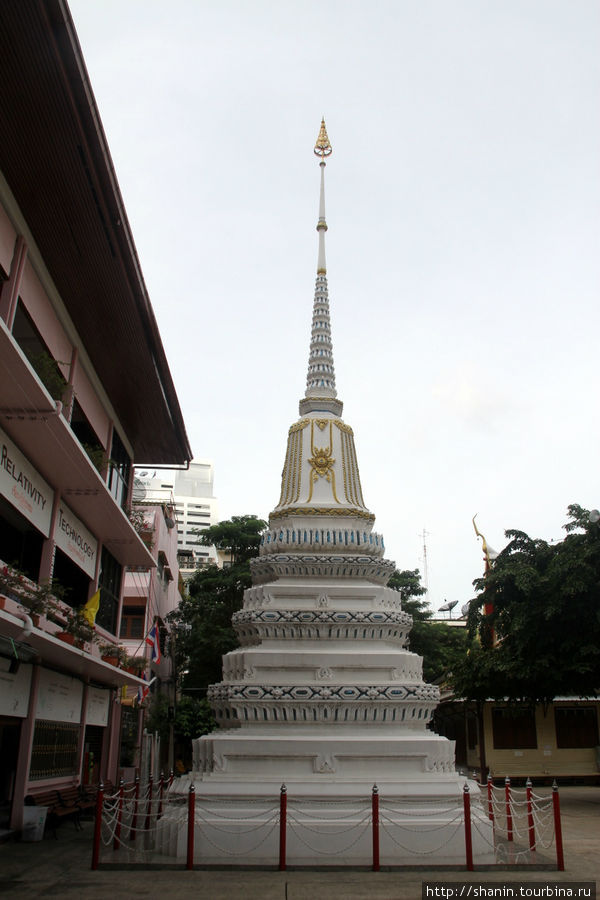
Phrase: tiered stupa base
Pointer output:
(329, 779)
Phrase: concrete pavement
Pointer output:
(61, 867)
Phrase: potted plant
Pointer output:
(135, 665)
(77, 630)
(37, 599)
(97, 456)
(48, 371)
(115, 654)
(137, 517)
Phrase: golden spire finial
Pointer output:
(323, 148)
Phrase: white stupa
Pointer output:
(322, 694)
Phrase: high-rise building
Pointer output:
(190, 491)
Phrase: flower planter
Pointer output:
(113, 660)
(67, 637)
(134, 671)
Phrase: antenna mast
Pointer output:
(425, 567)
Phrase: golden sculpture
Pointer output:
(323, 148)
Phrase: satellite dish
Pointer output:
(139, 491)
(464, 610)
(447, 607)
(594, 516)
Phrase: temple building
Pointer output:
(322, 694)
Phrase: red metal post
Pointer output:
(97, 826)
(282, 827)
(468, 835)
(375, 819)
(560, 859)
(149, 802)
(117, 838)
(136, 800)
(191, 822)
(509, 821)
(490, 793)
(171, 777)
(160, 794)
(530, 823)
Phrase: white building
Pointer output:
(190, 492)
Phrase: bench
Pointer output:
(72, 797)
(57, 809)
(89, 792)
(68, 802)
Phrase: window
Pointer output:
(54, 751)
(35, 349)
(163, 570)
(472, 739)
(73, 579)
(129, 733)
(514, 729)
(110, 591)
(87, 437)
(120, 471)
(20, 543)
(576, 726)
(132, 622)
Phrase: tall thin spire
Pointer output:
(323, 149)
(320, 392)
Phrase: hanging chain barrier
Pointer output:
(526, 824)
(149, 823)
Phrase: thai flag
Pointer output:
(143, 690)
(153, 639)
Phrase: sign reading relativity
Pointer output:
(75, 540)
(24, 487)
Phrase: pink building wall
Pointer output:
(8, 237)
(40, 309)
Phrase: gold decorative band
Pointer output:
(322, 511)
(298, 426)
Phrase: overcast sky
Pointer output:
(463, 204)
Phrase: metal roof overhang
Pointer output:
(31, 418)
(55, 653)
(56, 160)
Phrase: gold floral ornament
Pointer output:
(323, 148)
(322, 464)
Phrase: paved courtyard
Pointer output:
(61, 868)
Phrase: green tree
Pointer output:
(203, 619)
(239, 536)
(192, 718)
(441, 646)
(542, 638)
(203, 624)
